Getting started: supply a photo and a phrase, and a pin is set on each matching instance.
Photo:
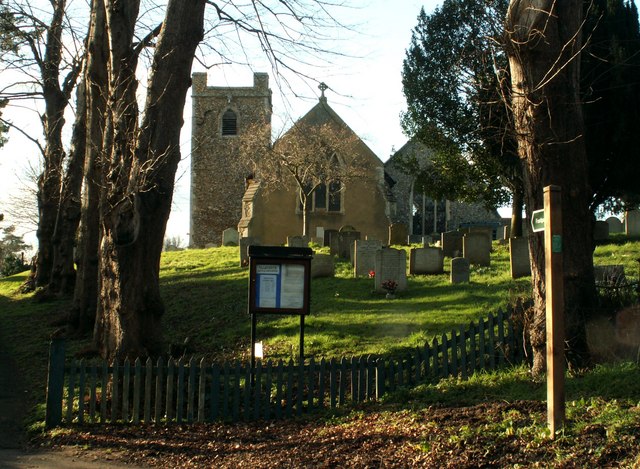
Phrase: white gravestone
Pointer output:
(230, 237)
(391, 264)
(365, 256)
(632, 222)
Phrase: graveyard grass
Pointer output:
(493, 418)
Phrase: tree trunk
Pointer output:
(136, 206)
(63, 273)
(544, 51)
(85, 296)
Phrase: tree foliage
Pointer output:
(12, 249)
(454, 79)
(611, 98)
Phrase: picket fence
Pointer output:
(186, 391)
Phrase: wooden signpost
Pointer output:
(554, 286)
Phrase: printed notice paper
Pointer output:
(292, 289)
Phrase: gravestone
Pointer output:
(600, 230)
(322, 265)
(391, 264)
(451, 243)
(426, 261)
(519, 257)
(320, 232)
(475, 248)
(632, 222)
(365, 256)
(328, 235)
(230, 237)
(244, 246)
(297, 242)
(615, 225)
(398, 234)
(345, 244)
(459, 270)
(506, 232)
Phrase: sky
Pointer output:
(365, 89)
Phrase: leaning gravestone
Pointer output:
(297, 242)
(322, 265)
(398, 234)
(459, 270)
(426, 261)
(244, 249)
(230, 237)
(365, 256)
(600, 230)
(519, 257)
(615, 225)
(451, 243)
(345, 244)
(632, 222)
(475, 248)
(391, 264)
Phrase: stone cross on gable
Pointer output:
(323, 86)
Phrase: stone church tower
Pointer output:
(218, 179)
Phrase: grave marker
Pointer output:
(426, 261)
(475, 248)
(459, 270)
(365, 256)
(391, 264)
(230, 237)
(519, 257)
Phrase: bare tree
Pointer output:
(51, 68)
(544, 50)
(314, 158)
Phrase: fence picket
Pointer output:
(289, 400)
(71, 390)
(148, 385)
(481, 344)
(226, 391)
(115, 393)
(445, 356)
(235, 412)
(380, 389)
(180, 391)
(463, 353)
(311, 392)
(279, 393)
(126, 377)
(343, 382)
(257, 390)
(435, 349)
(473, 355)
(267, 390)
(170, 408)
(247, 393)
(159, 382)
(454, 353)
(202, 390)
(322, 377)
(137, 378)
(214, 393)
(103, 391)
(491, 344)
(333, 384)
(501, 341)
(299, 394)
(191, 390)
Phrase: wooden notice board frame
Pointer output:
(279, 283)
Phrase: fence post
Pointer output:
(55, 383)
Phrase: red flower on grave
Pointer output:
(372, 274)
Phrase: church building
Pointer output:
(225, 193)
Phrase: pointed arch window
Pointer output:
(229, 123)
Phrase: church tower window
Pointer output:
(229, 123)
